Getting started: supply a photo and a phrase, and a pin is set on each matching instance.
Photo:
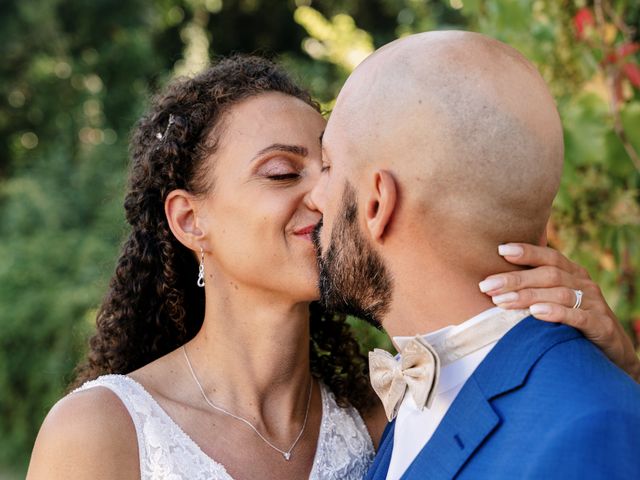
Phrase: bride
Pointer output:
(211, 359)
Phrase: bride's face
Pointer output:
(258, 215)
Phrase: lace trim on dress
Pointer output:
(345, 449)
(166, 452)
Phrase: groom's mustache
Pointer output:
(315, 238)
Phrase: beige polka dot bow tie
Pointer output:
(418, 369)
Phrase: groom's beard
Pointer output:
(353, 277)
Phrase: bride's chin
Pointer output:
(309, 292)
(303, 284)
(313, 295)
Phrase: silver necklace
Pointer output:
(285, 453)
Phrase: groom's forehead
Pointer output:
(336, 141)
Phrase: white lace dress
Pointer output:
(344, 448)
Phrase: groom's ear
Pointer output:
(381, 204)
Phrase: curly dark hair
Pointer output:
(153, 304)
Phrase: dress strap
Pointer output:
(125, 389)
(165, 450)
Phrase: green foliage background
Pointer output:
(75, 75)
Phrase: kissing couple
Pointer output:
(418, 204)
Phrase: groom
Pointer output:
(441, 146)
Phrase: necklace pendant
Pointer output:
(286, 455)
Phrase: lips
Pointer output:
(308, 230)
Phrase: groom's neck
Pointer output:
(425, 300)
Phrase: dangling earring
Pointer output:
(200, 281)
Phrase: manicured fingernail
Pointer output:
(540, 309)
(505, 298)
(509, 250)
(491, 284)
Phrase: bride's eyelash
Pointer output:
(284, 176)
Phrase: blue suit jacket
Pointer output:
(544, 404)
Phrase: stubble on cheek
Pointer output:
(353, 277)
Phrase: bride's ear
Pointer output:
(381, 204)
(180, 209)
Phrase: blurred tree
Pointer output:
(75, 75)
(588, 55)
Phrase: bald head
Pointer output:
(466, 125)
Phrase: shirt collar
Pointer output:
(432, 337)
(460, 370)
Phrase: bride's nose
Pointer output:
(315, 198)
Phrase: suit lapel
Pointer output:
(471, 418)
(465, 426)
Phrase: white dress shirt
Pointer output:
(414, 427)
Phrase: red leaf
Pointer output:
(583, 19)
(622, 51)
(627, 49)
(611, 57)
(632, 71)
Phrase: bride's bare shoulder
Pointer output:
(87, 434)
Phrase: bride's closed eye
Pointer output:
(285, 176)
(279, 170)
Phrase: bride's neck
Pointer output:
(253, 350)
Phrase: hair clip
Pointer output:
(172, 120)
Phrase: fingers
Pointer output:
(531, 296)
(601, 328)
(536, 256)
(553, 312)
(605, 331)
(541, 277)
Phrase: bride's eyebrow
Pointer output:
(281, 147)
